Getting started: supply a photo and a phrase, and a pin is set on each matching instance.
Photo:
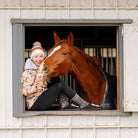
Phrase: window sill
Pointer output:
(64, 113)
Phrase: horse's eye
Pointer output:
(64, 53)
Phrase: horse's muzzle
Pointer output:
(46, 71)
(45, 68)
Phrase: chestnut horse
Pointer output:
(65, 58)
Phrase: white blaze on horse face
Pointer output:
(54, 50)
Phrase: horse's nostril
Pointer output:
(45, 68)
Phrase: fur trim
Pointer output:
(29, 64)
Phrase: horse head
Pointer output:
(65, 58)
(58, 61)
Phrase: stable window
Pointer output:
(99, 38)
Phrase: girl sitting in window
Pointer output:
(42, 99)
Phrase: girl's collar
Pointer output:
(29, 64)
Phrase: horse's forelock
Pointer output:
(58, 43)
(57, 46)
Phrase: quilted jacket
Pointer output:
(28, 78)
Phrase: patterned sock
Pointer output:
(82, 103)
(64, 101)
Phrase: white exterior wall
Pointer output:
(69, 126)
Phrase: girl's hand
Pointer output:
(36, 83)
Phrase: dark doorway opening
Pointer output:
(91, 35)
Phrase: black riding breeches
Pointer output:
(48, 97)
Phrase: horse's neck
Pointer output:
(88, 75)
(81, 63)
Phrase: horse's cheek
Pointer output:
(62, 69)
(65, 67)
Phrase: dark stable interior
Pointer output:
(91, 35)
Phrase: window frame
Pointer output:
(18, 48)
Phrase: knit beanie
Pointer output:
(37, 48)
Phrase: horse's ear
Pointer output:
(56, 37)
(70, 39)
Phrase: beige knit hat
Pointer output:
(37, 48)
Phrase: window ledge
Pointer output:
(64, 113)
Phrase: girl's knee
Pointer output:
(60, 84)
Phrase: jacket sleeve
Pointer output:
(28, 79)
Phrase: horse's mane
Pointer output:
(93, 60)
